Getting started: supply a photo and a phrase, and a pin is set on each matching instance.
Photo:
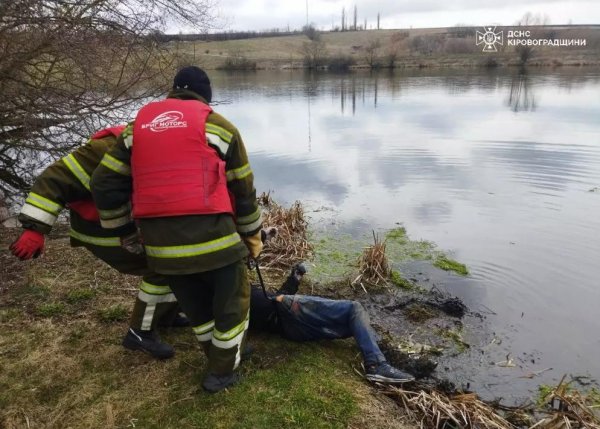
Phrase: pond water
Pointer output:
(499, 168)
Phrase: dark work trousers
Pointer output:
(155, 303)
(217, 304)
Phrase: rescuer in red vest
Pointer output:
(186, 171)
(66, 184)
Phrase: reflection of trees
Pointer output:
(521, 96)
(365, 89)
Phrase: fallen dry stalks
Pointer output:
(570, 408)
(431, 409)
(291, 244)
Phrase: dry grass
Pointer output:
(291, 244)
(570, 409)
(427, 408)
(374, 266)
(434, 410)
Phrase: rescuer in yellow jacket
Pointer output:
(66, 183)
(185, 169)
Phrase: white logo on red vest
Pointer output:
(166, 120)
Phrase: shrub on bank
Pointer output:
(237, 62)
(340, 62)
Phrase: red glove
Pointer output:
(29, 244)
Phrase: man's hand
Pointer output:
(133, 243)
(254, 244)
(29, 245)
(267, 234)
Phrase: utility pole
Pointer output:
(343, 18)
(307, 13)
(355, 17)
(378, 20)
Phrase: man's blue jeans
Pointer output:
(306, 318)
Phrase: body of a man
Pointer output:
(312, 318)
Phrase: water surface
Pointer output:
(500, 169)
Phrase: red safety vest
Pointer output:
(111, 131)
(86, 208)
(174, 171)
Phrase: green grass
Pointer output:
(544, 392)
(50, 309)
(9, 314)
(76, 296)
(307, 387)
(114, 313)
(33, 291)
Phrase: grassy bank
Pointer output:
(62, 318)
(406, 48)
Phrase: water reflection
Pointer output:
(521, 96)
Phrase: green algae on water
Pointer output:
(447, 264)
(335, 257)
(397, 279)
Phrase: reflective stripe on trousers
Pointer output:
(152, 295)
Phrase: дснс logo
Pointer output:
(489, 38)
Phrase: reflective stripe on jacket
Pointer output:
(65, 183)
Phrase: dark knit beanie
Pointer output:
(194, 79)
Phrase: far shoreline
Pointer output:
(452, 47)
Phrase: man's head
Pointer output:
(194, 79)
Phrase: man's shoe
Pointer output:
(383, 372)
(149, 342)
(214, 383)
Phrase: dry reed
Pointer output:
(373, 264)
(291, 244)
(429, 408)
(570, 409)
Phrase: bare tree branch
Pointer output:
(70, 67)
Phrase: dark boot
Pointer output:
(178, 320)
(149, 342)
(247, 352)
(214, 383)
(292, 283)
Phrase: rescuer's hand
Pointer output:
(29, 245)
(254, 244)
(133, 243)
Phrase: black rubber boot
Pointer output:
(214, 383)
(149, 342)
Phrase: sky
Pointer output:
(268, 14)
